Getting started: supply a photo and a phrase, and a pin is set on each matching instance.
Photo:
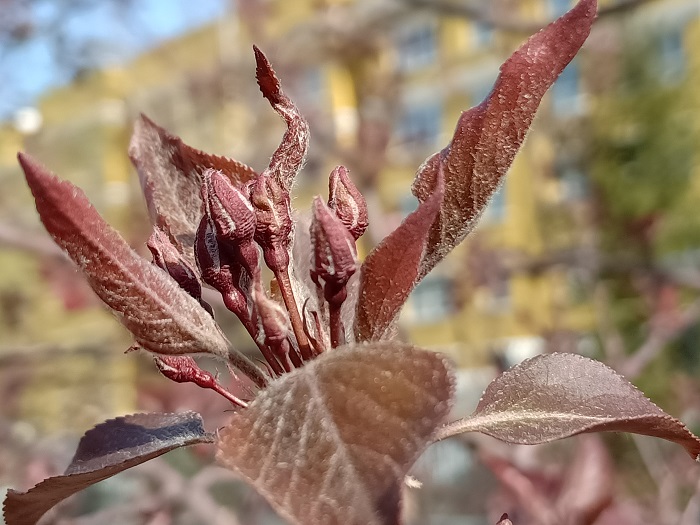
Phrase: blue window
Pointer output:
(672, 55)
(559, 7)
(496, 210)
(566, 92)
(431, 300)
(483, 34)
(480, 92)
(572, 181)
(420, 124)
(408, 204)
(417, 47)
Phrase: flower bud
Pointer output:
(231, 212)
(211, 261)
(334, 258)
(273, 231)
(347, 202)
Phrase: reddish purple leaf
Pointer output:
(289, 156)
(489, 135)
(391, 270)
(162, 317)
(331, 442)
(171, 177)
(106, 450)
(555, 396)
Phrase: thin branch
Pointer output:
(485, 14)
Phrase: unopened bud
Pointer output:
(215, 272)
(347, 202)
(231, 212)
(273, 231)
(334, 258)
(274, 318)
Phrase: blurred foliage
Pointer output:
(642, 149)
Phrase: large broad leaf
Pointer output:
(558, 395)
(171, 177)
(148, 302)
(391, 270)
(489, 135)
(106, 450)
(330, 443)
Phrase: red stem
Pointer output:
(285, 284)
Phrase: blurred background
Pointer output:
(591, 246)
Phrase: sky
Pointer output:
(101, 32)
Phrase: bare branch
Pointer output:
(485, 14)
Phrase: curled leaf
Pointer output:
(171, 176)
(289, 156)
(106, 450)
(489, 135)
(391, 270)
(162, 317)
(331, 442)
(555, 396)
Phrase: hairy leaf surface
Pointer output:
(489, 135)
(106, 450)
(171, 177)
(162, 317)
(558, 395)
(289, 156)
(391, 270)
(331, 442)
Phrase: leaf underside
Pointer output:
(489, 135)
(106, 450)
(149, 303)
(555, 396)
(331, 442)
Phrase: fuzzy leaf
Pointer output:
(162, 317)
(106, 450)
(489, 135)
(555, 396)
(289, 156)
(330, 442)
(391, 270)
(171, 177)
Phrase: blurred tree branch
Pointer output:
(498, 19)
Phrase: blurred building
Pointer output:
(382, 84)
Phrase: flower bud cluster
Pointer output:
(242, 220)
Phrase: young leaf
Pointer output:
(331, 442)
(489, 135)
(163, 318)
(392, 269)
(555, 396)
(289, 156)
(171, 178)
(108, 449)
